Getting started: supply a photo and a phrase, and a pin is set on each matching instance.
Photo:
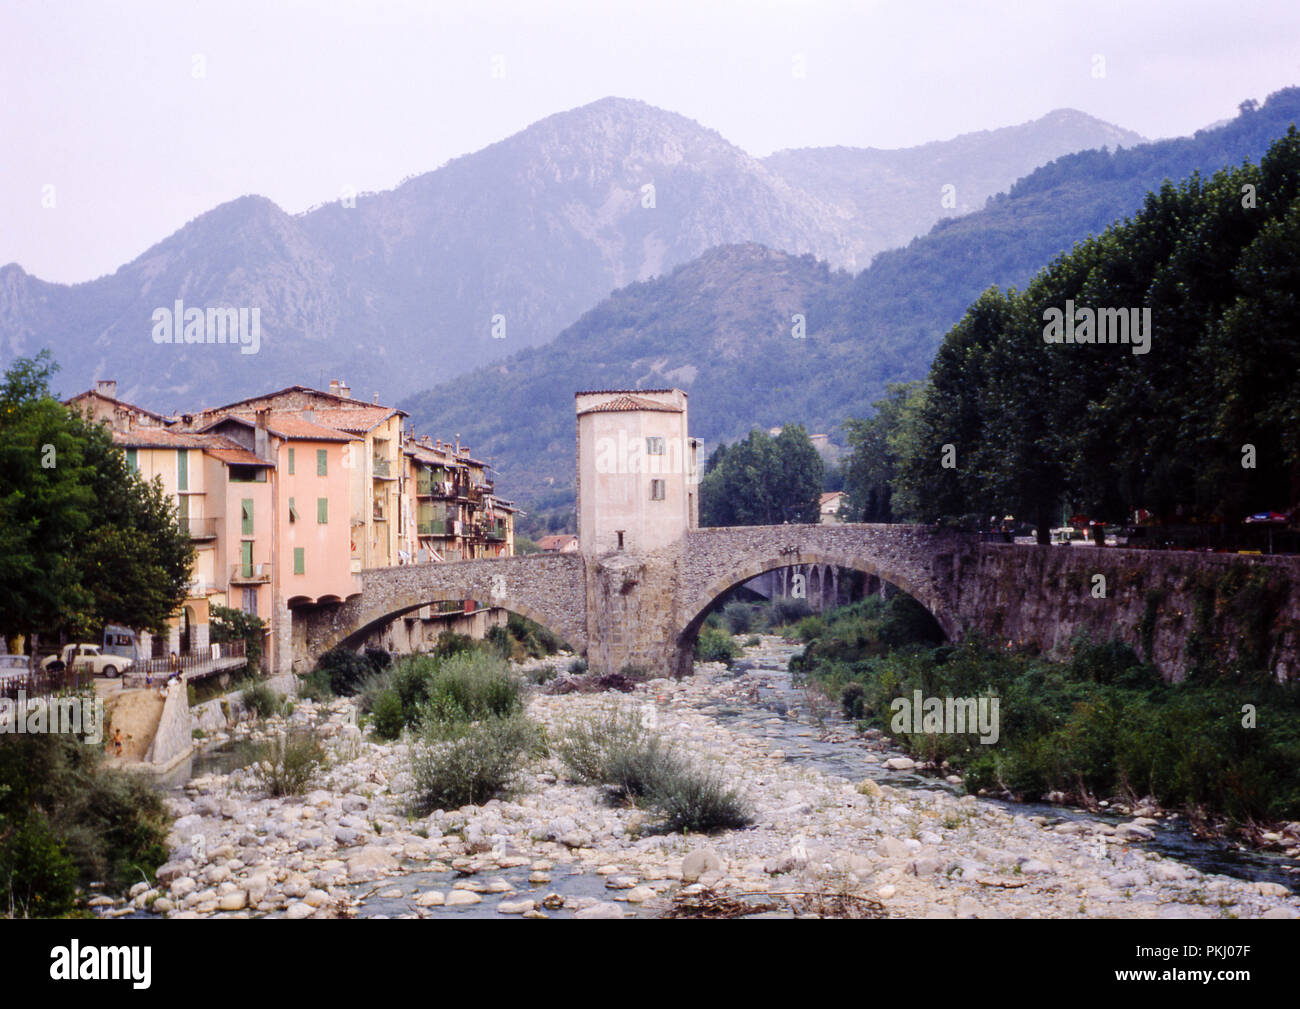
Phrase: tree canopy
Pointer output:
(1203, 426)
(83, 540)
(763, 480)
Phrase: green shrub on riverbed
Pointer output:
(616, 749)
(65, 815)
(460, 687)
(289, 764)
(461, 764)
(715, 645)
(261, 700)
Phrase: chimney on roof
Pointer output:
(344, 390)
(106, 387)
(261, 437)
(334, 386)
(376, 399)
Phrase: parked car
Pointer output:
(12, 667)
(87, 656)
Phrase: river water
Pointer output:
(774, 708)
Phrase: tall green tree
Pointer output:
(46, 502)
(763, 480)
(83, 540)
(1197, 422)
(871, 470)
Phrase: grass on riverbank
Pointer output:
(1101, 725)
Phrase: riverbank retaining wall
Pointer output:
(1177, 609)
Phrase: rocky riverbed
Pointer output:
(555, 849)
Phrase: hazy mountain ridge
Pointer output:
(911, 180)
(864, 331)
(399, 292)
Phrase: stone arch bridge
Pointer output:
(621, 608)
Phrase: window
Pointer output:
(182, 469)
(322, 463)
(246, 516)
(620, 539)
(299, 564)
(293, 511)
(322, 510)
(247, 474)
(183, 512)
(654, 446)
(248, 601)
(291, 460)
(656, 490)
(133, 459)
(246, 558)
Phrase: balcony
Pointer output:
(431, 527)
(199, 528)
(250, 574)
(380, 469)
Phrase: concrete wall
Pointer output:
(174, 738)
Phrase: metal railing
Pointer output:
(183, 663)
(250, 573)
(44, 683)
(199, 528)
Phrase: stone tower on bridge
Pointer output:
(638, 498)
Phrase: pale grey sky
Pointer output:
(104, 102)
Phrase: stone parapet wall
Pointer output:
(547, 588)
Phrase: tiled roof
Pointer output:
(94, 394)
(246, 404)
(285, 425)
(358, 419)
(159, 437)
(233, 454)
(615, 392)
(218, 446)
(556, 541)
(624, 403)
(431, 455)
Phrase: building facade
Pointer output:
(290, 495)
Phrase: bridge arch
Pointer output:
(698, 609)
(718, 560)
(548, 590)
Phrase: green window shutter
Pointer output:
(246, 516)
(133, 459)
(321, 462)
(322, 510)
(293, 511)
(182, 469)
(299, 564)
(246, 558)
(291, 460)
(183, 512)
